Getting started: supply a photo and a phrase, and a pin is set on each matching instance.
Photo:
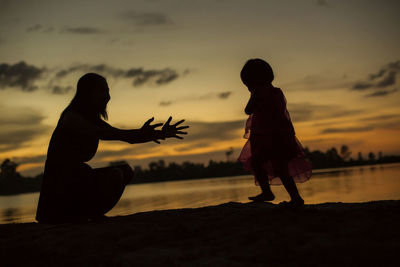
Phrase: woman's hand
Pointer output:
(149, 131)
(172, 130)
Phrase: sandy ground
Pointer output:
(231, 234)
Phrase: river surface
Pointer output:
(351, 184)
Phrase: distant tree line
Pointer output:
(333, 158)
(11, 182)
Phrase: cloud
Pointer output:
(20, 75)
(390, 79)
(302, 112)
(19, 126)
(99, 68)
(160, 77)
(324, 80)
(380, 80)
(392, 66)
(67, 29)
(139, 75)
(39, 28)
(347, 130)
(34, 28)
(222, 95)
(165, 103)
(381, 117)
(369, 123)
(362, 86)
(24, 77)
(59, 90)
(387, 121)
(381, 93)
(83, 30)
(146, 19)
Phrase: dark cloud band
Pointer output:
(347, 130)
(24, 77)
(380, 81)
(20, 75)
(139, 75)
(302, 112)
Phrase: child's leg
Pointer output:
(288, 182)
(262, 179)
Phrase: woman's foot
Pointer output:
(263, 197)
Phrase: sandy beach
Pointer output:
(230, 234)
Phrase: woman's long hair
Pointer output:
(81, 101)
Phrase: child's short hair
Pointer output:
(256, 71)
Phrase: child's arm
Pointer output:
(250, 105)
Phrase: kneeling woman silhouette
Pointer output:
(71, 190)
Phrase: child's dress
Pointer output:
(272, 139)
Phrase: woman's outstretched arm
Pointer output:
(75, 123)
(146, 133)
(149, 133)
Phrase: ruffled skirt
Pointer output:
(271, 151)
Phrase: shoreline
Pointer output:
(230, 234)
(315, 171)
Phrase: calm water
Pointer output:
(354, 184)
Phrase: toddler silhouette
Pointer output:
(272, 153)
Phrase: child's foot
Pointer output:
(263, 197)
(294, 203)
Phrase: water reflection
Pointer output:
(10, 214)
(356, 184)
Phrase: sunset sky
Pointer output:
(338, 63)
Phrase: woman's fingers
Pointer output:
(156, 125)
(169, 120)
(149, 121)
(169, 130)
(182, 127)
(179, 122)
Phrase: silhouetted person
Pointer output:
(272, 153)
(71, 189)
